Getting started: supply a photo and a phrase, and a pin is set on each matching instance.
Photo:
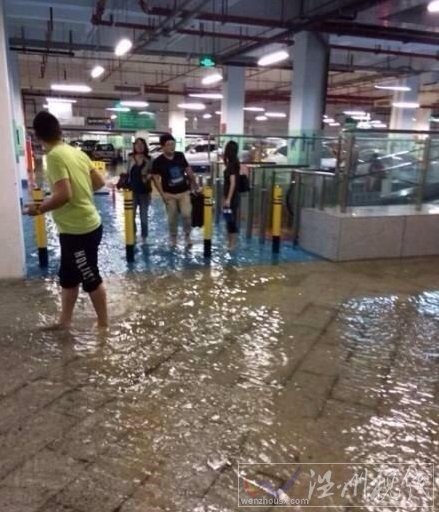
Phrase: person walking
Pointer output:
(174, 179)
(231, 192)
(139, 180)
(72, 180)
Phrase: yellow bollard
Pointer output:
(207, 227)
(129, 224)
(40, 229)
(277, 217)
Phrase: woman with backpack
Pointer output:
(139, 181)
(231, 192)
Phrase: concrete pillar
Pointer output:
(310, 55)
(177, 123)
(402, 118)
(422, 122)
(12, 262)
(232, 107)
(18, 116)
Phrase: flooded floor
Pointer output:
(208, 376)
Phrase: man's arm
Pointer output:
(193, 179)
(158, 185)
(61, 195)
(97, 180)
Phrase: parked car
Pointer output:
(280, 157)
(106, 153)
(197, 155)
(88, 146)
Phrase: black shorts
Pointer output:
(79, 260)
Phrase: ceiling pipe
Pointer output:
(382, 51)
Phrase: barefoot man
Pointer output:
(72, 180)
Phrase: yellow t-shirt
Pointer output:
(79, 216)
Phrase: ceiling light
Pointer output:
(146, 113)
(123, 47)
(212, 79)
(60, 100)
(97, 71)
(329, 120)
(254, 109)
(273, 58)
(134, 104)
(354, 113)
(207, 95)
(261, 118)
(361, 118)
(393, 87)
(207, 116)
(186, 119)
(70, 87)
(405, 104)
(113, 116)
(433, 6)
(276, 114)
(434, 119)
(192, 106)
(45, 105)
(118, 109)
(334, 124)
(218, 112)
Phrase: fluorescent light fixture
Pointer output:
(375, 121)
(276, 114)
(329, 120)
(405, 104)
(207, 116)
(394, 87)
(218, 112)
(146, 113)
(334, 124)
(361, 118)
(434, 119)
(212, 79)
(123, 47)
(118, 109)
(192, 106)
(261, 118)
(433, 6)
(273, 58)
(134, 104)
(186, 119)
(113, 116)
(60, 100)
(70, 87)
(45, 105)
(254, 109)
(354, 113)
(97, 71)
(207, 95)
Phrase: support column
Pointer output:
(402, 118)
(232, 113)
(177, 122)
(18, 116)
(310, 55)
(11, 234)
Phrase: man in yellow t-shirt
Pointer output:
(72, 180)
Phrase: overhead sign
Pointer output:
(207, 61)
(98, 121)
(135, 121)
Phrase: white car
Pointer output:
(197, 155)
(279, 156)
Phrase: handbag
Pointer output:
(123, 182)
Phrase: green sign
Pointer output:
(207, 61)
(135, 121)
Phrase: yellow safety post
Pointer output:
(207, 227)
(40, 229)
(129, 224)
(277, 218)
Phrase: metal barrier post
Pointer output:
(322, 194)
(129, 224)
(251, 204)
(207, 227)
(424, 173)
(345, 175)
(296, 207)
(40, 230)
(263, 207)
(277, 218)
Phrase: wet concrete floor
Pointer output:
(203, 369)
